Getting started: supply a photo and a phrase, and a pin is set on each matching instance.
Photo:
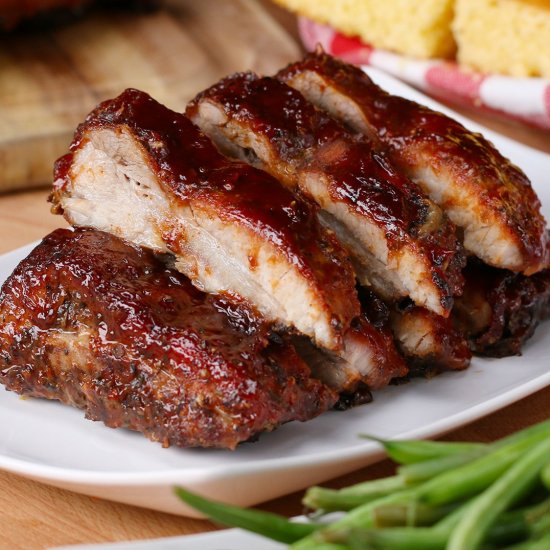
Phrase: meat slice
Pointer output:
(500, 310)
(400, 242)
(96, 323)
(429, 342)
(369, 361)
(481, 191)
(145, 173)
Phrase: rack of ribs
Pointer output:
(147, 174)
(99, 324)
(308, 254)
(400, 241)
(481, 191)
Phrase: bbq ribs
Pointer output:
(332, 238)
(401, 242)
(104, 326)
(147, 174)
(480, 190)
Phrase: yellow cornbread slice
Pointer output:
(420, 28)
(504, 36)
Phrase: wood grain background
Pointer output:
(51, 79)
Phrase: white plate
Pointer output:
(228, 539)
(53, 443)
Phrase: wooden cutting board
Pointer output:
(51, 79)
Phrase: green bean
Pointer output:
(331, 500)
(542, 543)
(419, 472)
(473, 527)
(410, 514)
(422, 471)
(412, 451)
(407, 537)
(397, 538)
(384, 485)
(472, 478)
(545, 476)
(267, 524)
(363, 517)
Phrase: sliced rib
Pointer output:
(486, 195)
(369, 361)
(400, 242)
(96, 323)
(429, 342)
(500, 310)
(147, 174)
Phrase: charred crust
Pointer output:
(360, 396)
(122, 337)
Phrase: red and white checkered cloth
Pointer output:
(524, 99)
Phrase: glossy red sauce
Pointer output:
(306, 138)
(361, 177)
(185, 367)
(188, 164)
(410, 130)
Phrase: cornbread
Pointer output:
(504, 36)
(419, 29)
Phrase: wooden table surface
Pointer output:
(35, 516)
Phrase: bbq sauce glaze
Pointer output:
(193, 170)
(410, 129)
(97, 323)
(299, 134)
(358, 175)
